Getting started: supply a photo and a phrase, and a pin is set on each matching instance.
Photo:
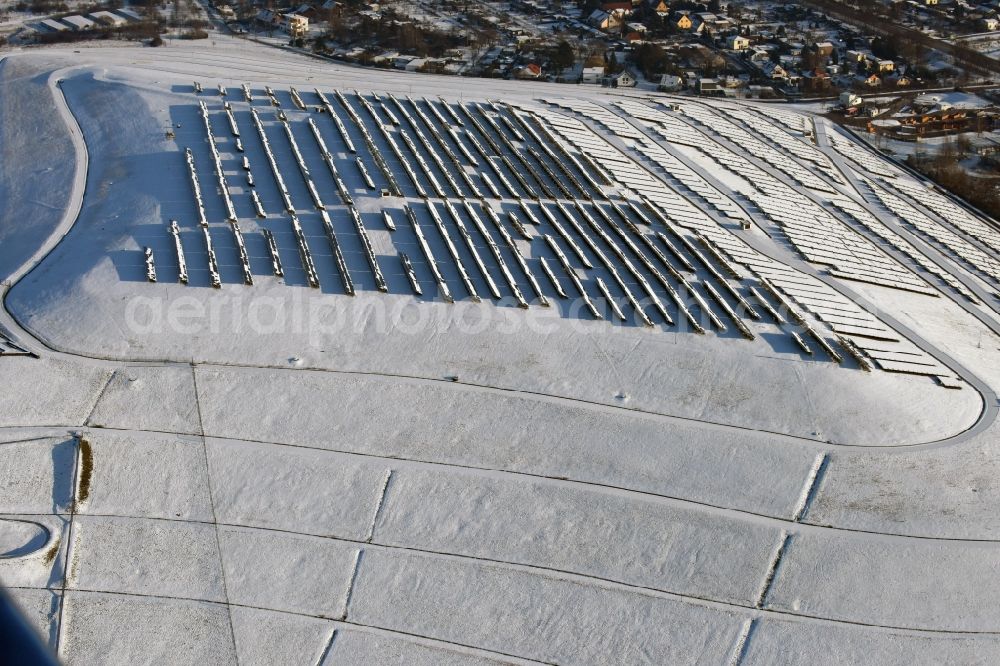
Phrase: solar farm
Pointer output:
(313, 364)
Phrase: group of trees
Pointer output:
(898, 47)
(562, 57)
(873, 14)
(389, 30)
(651, 59)
(944, 167)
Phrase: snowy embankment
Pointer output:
(37, 181)
(94, 278)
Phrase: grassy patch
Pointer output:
(50, 554)
(86, 470)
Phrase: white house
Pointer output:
(849, 99)
(737, 43)
(623, 80)
(295, 24)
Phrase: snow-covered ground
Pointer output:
(283, 474)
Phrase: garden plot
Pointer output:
(48, 391)
(357, 648)
(489, 437)
(150, 557)
(148, 398)
(797, 645)
(291, 489)
(408, 592)
(287, 572)
(264, 637)
(128, 629)
(576, 529)
(38, 475)
(146, 475)
(932, 495)
(901, 577)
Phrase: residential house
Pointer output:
(599, 19)
(295, 25)
(849, 99)
(816, 81)
(773, 70)
(660, 7)
(603, 20)
(682, 21)
(623, 80)
(737, 43)
(824, 49)
(670, 83)
(529, 71)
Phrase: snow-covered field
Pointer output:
(280, 472)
